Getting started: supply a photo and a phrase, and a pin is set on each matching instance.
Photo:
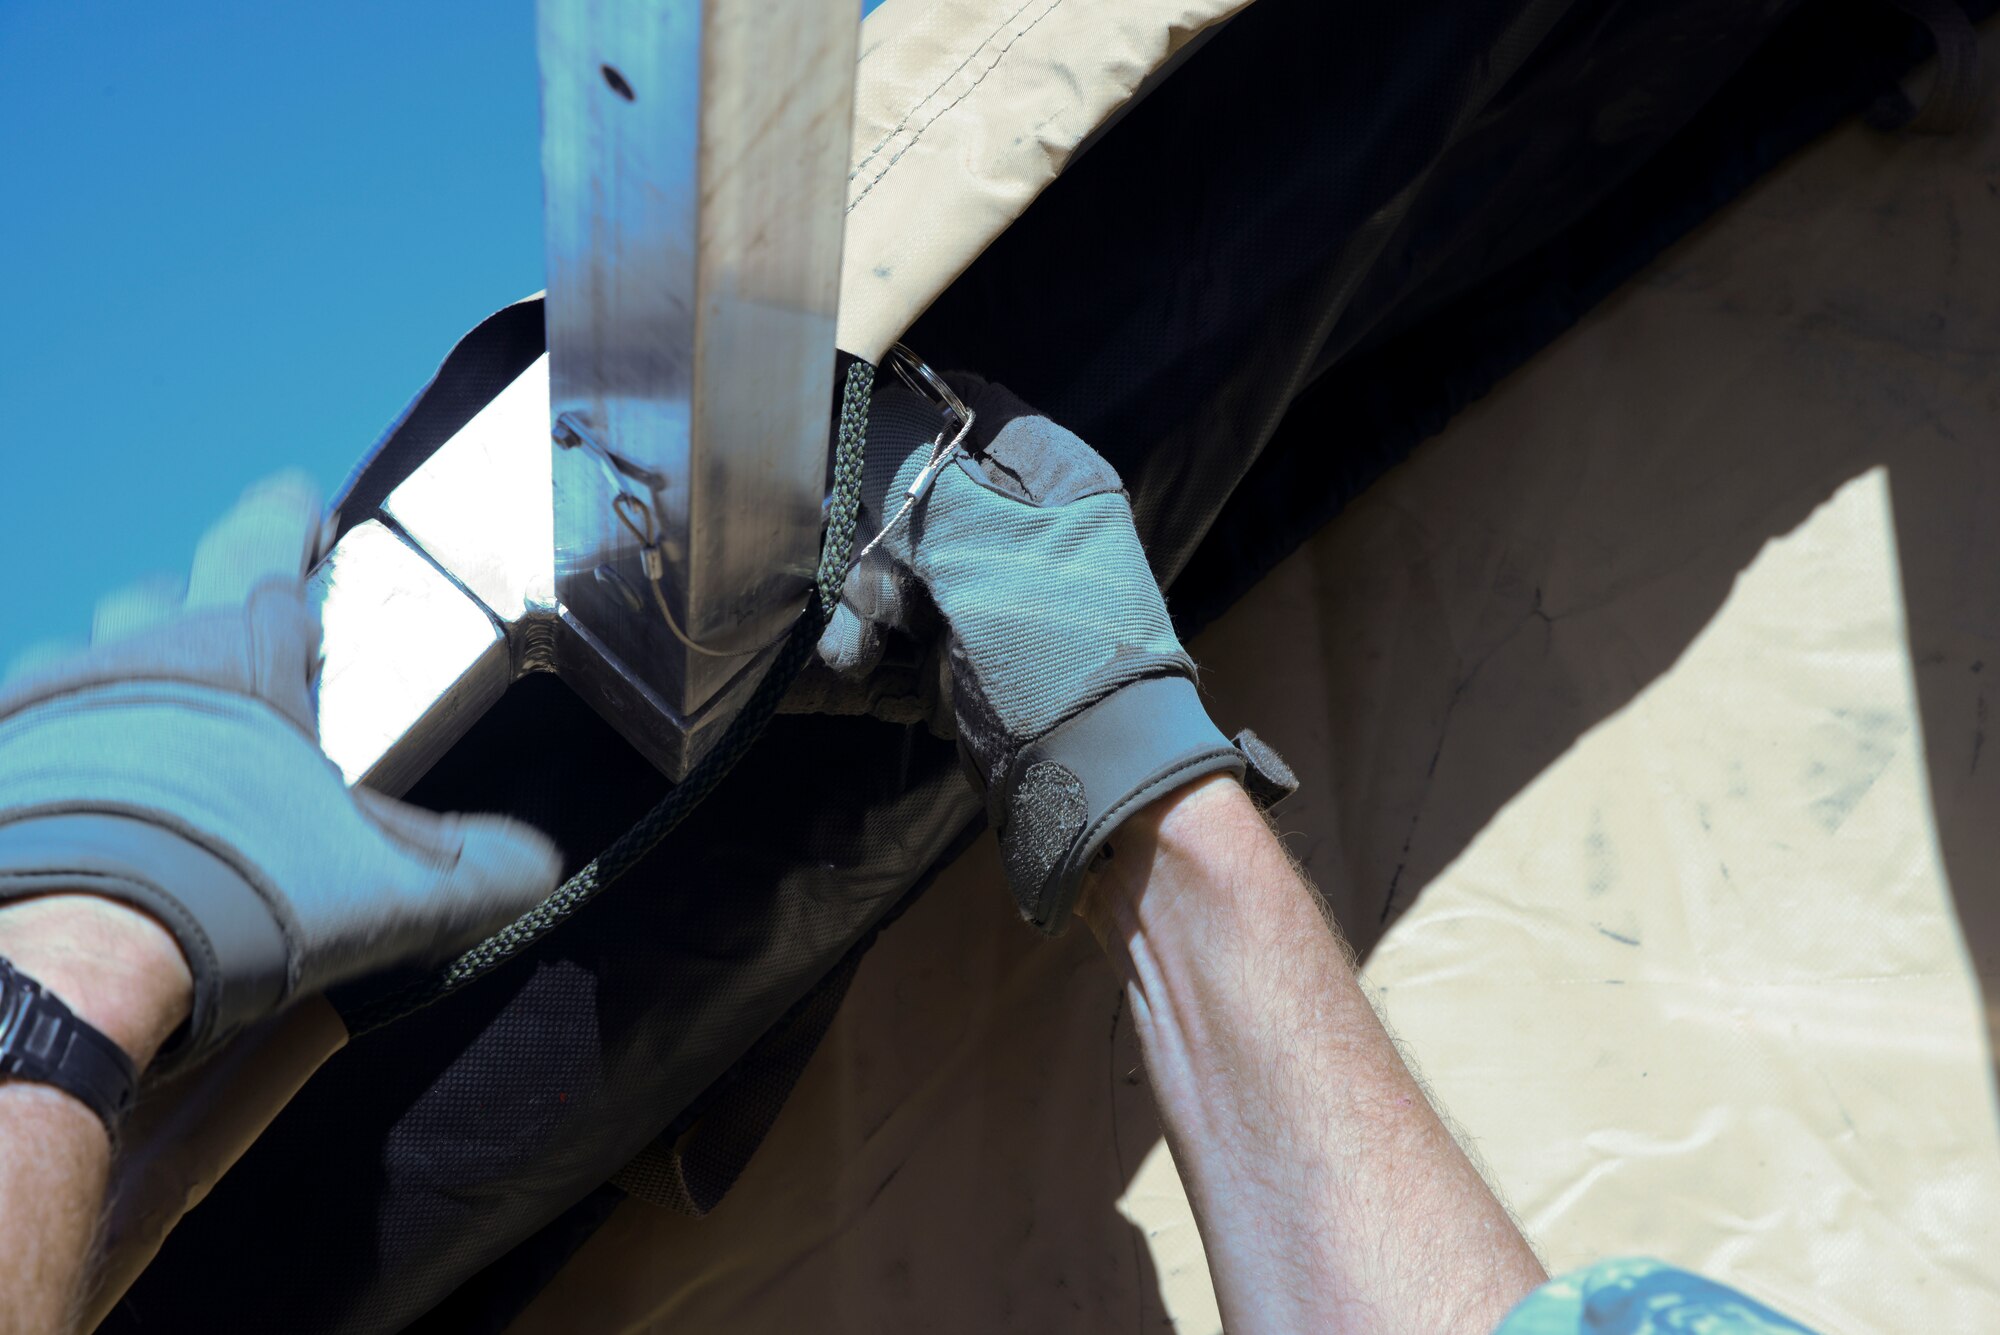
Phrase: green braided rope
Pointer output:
(837, 553)
(742, 732)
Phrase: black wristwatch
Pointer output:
(44, 1041)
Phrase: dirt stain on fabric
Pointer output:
(1602, 871)
(1850, 752)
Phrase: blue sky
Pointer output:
(237, 236)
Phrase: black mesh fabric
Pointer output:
(1323, 233)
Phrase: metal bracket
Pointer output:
(639, 512)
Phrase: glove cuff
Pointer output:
(1067, 791)
(234, 946)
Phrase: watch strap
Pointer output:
(44, 1041)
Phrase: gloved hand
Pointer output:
(176, 766)
(1075, 703)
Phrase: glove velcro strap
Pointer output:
(1267, 778)
(234, 946)
(1070, 789)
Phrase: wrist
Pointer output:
(1171, 822)
(116, 967)
(1182, 827)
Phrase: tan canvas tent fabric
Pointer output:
(1654, 696)
(964, 111)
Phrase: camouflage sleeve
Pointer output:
(1638, 1296)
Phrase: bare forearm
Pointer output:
(122, 972)
(1330, 1195)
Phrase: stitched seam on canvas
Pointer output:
(919, 132)
(876, 148)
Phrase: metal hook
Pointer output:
(570, 433)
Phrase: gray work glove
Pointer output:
(1075, 703)
(176, 766)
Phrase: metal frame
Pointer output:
(695, 159)
(640, 511)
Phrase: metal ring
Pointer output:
(911, 369)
